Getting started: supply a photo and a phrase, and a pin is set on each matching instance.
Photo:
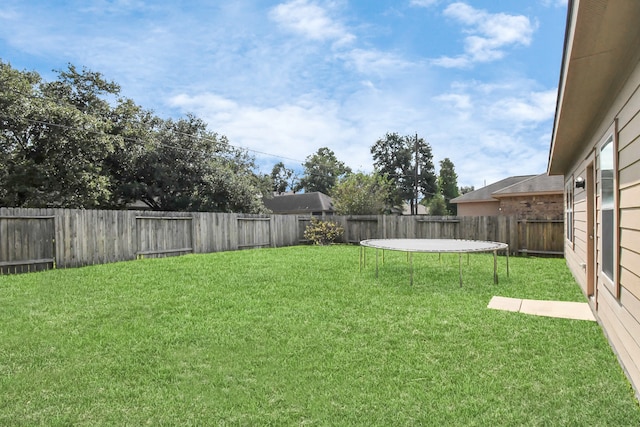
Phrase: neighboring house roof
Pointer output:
(485, 194)
(524, 185)
(540, 184)
(300, 203)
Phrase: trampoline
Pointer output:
(435, 246)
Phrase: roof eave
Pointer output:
(596, 61)
(528, 194)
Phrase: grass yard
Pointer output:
(298, 336)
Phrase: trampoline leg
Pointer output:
(360, 259)
(376, 263)
(364, 257)
(411, 267)
(495, 267)
(507, 261)
(460, 267)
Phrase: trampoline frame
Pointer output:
(434, 246)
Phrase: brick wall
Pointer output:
(545, 206)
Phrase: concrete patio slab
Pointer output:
(505, 303)
(561, 309)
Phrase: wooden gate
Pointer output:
(27, 243)
(164, 236)
(254, 232)
(361, 228)
(541, 237)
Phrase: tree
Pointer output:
(135, 131)
(361, 194)
(322, 171)
(54, 139)
(448, 184)
(74, 142)
(16, 92)
(437, 206)
(466, 189)
(282, 178)
(190, 168)
(395, 157)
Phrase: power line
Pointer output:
(238, 147)
(158, 143)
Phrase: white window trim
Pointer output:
(613, 283)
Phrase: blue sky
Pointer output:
(477, 79)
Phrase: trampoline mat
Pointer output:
(434, 245)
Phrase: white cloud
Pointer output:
(423, 3)
(374, 62)
(488, 35)
(457, 101)
(311, 21)
(555, 3)
(532, 107)
(293, 130)
(9, 15)
(118, 7)
(492, 130)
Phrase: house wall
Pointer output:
(617, 303)
(549, 206)
(479, 208)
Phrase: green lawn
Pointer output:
(298, 336)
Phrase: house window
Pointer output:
(607, 207)
(568, 210)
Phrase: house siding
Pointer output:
(479, 208)
(617, 303)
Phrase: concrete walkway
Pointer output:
(563, 309)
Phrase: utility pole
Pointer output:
(415, 181)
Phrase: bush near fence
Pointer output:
(36, 239)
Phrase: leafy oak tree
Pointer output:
(193, 169)
(54, 139)
(75, 142)
(394, 157)
(361, 194)
(322, 171)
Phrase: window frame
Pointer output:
(569, 209)
(612, 207)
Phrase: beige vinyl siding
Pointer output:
(620, 326)
(618, 304)
(576, 252)
(629, 202)
(621, 316)
(580, 219)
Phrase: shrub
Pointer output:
(322, 232)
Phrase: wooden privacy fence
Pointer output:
(36, 239)
(541, 236)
